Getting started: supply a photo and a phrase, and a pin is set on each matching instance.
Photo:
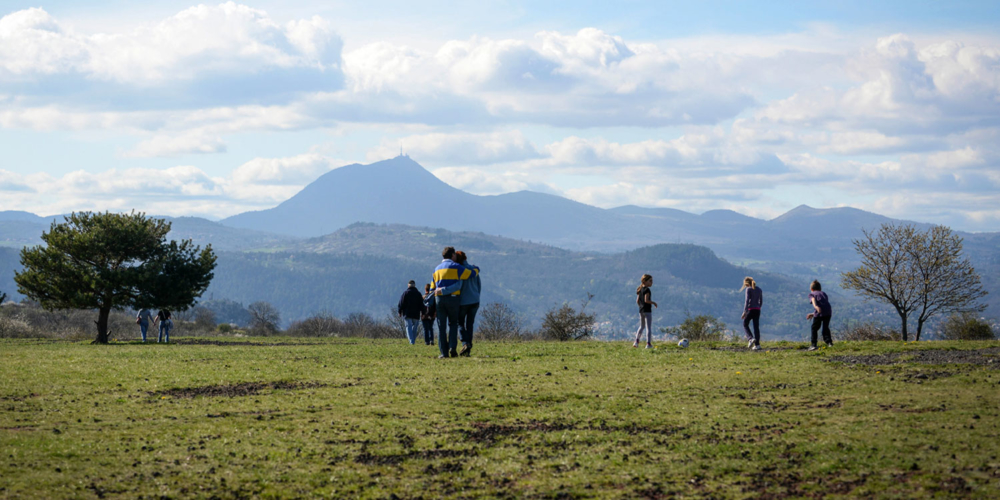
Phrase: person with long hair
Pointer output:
(448, 278)
(644, 299)
(822, 312)
(752, 301)
(471, 288)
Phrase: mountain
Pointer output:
(365, 267)
(19, 229)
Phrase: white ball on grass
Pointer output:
(683, 343)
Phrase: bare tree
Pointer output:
(915, 272)
(497, 321)
(887, 272)
(947, 282)
(566, 323)
(264, 318)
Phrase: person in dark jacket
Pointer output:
(166, 324)
(429, 314)
(752, 303)
(411, 306)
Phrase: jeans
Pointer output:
(429, 331)
(467, 322)
(165, 327)
(448, 310)
(825, 322)
(144, 327)
(411, 329)
(645, 323)
(752, 315)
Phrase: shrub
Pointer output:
(966, 326)
(225, 328)
(323, 324)
(497, 321)
(264, 318)
(566, 323)
(867, 331)
(699, 329)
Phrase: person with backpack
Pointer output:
(752, 302)
(430, 312)
(166, 324)
(410, 307)
(644, 299)
(822, 312)
(469, 304)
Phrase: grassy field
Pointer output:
(344, 418)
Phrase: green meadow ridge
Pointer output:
(352, 418)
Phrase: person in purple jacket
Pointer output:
(822, 312)
(752, 302)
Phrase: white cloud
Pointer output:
(460, 148)
(195, 142)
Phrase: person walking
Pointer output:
(822, 312)
(166, 324)
(752, 302)
(427, 317)
(644, 298)
(410, 308)
(448, 278)
(143, 319)
(469, 304)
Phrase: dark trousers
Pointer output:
(752, 315)
(825, 323)
(466, 322)
(428, 331)
(448, 310)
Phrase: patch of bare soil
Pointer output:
(235, 390)
(985, 357)
(485, 432)
(368, 459)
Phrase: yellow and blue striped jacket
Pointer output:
(448, 276)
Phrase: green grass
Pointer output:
(372, 419)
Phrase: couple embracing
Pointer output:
(456, 292)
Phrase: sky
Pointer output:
(177, 108)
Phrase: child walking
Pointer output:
(821, 315)
(645, 301)
(752, 303)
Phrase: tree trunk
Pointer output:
(906, 337)
(102, 325)
(920, 328)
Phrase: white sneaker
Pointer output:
(750, 343)
(755, 348)
(649, 346)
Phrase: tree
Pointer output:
(497, 321)
(3, 297)
(264, 318)
(108, 261)
(915, 272)
(699, 328)
(887, 272)
(565, 323)
(947, 283)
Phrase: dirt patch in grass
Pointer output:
(485, 432)
(235, 390)
(744, 348)
(397, 458)
(984, 357)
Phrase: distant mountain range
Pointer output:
(316, 233)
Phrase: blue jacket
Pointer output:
(754, 299)
(471, 287)
(448, 278)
